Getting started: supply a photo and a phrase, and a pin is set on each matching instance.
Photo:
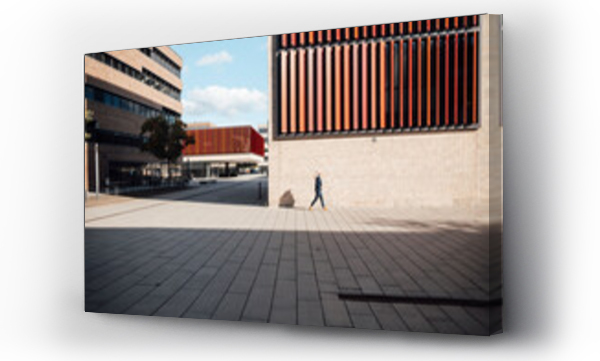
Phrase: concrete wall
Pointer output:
(496, 142)
(437, 169)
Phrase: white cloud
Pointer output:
(221, 101)
(221, 57)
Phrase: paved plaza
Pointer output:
(215, 251)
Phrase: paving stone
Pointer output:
(439, 319)
(200, 279)
(286, 270)
(413, 318)
(365, 321)
(117, 273)
(266, 276)
(307, 288)
(387, 317)
(358, 267)
(481, 314)
(111, 291)
(358, 308)
(258, 306)
(208, 301)
(244, 280)
(369, 286)
(231, 307)
(179, 303)
(345, 279)
(305, 265)
(125, 300)
(284, 309)
(161, 294)
(335, 312)
(310, 313)
(465, 321)
(324, 272)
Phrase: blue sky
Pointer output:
(225, 82)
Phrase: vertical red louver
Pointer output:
(382, 82)
(283, 119)
(311, 90)
(338, 87)
(347, 87)
(355, 86)
(328, 88)
(293, 91)
(302, 90)
(365, 85)
(374, 85)
(320, 107)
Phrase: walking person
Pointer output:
(318, 192)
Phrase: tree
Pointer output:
(165, 139)
(90, 125)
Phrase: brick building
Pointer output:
(123, 88)
(404, 114)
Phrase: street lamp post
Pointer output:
(97, 169)
(91, 136)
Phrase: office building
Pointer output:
(123, 89)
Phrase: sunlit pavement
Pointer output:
(214, 251)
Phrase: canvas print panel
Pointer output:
(341, 177)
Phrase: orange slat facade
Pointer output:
(229, 140)
(338, 88)
(391, 77)
(293, 92)
(284, 94)
(374, 84)
(428, 79)
(365, 85)
(419, 81)
(320, 108)
(347, 86)
(392, 94)
(311, 90)
(410, 83)
(474, 117)
(328, 88)
(302, 91)
(382, 80)
(355, 88)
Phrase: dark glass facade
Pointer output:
(102, 96)
(163, 60)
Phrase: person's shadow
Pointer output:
(287, 200)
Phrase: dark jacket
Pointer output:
(318, 184)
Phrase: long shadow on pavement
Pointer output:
(297, 277)
(249, 192)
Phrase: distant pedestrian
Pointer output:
(318, 192)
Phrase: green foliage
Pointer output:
(90, 125)
(165, 140)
